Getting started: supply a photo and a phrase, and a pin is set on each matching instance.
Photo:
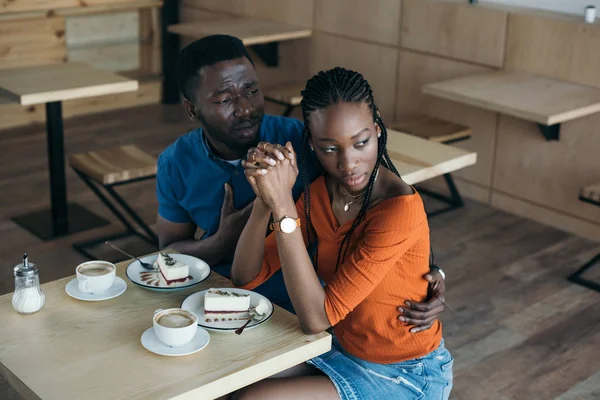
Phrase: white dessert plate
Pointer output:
(153, 280)
(118, 288)
(151, 342)
(195, 304)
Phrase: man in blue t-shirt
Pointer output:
(201, 184)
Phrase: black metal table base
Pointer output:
(578, 278)
(130, 230)
(41, 224)
(454, 201)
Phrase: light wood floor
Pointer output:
(517, 328)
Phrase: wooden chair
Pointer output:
(441, 131)
(287, 94)
(103, 170)
(589, 194)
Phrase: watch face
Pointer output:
(288, 225)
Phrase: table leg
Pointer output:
(53, 223)
(56, 166)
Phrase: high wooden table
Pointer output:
(74, 349)
(418, 159)
(547, 102)
(51, 85)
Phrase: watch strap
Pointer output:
(276, 226)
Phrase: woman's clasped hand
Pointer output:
(271, 170)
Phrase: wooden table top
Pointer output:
(419, 159)
(530, 97)
(249, 31)
(58, 82)
(75, 349)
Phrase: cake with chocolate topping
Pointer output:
(171, 269)
(225, 305)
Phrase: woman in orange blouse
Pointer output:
(355, 245)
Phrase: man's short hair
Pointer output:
(204, 52)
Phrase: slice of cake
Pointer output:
(171, 269)
(225, 305)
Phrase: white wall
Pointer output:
(566, 6)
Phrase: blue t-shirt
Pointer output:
(190, 186)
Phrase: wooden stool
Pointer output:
(112, 167)
(287, 94)
(589, 194)
(441, 131)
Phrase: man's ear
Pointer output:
(190, 109)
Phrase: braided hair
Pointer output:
(323, 90)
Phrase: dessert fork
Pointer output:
(143, 264)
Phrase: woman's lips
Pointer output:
(354, 180)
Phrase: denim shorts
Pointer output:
(428, 377)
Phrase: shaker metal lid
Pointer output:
(25, 268)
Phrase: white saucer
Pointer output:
(195, 304)
(153, 280)
(118, 288)
(152, 344)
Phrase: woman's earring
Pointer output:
(311, 147)
(379, 135)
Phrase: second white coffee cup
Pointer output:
(95, 277)
(175, 327)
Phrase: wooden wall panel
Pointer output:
(373, 20)
(106, 41)
(563, 48)
(549, 174)
(13, 114)
(10, 6)
(460, 31)
(112, 56)
(148, 93)
(32, 42)
(415, 70)
(293, 64)
(232, 7)
(292, 12)
(104, 28)
(583, 227)
(376, 63)
(192, 14)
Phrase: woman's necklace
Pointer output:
(358, 196)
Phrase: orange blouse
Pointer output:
(385, 264)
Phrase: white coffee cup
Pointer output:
(175, 327)
(95, 277)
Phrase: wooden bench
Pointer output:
(589, 194)
(104, 169)
(440, 131)
(287, 94)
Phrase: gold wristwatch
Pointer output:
(286, 225)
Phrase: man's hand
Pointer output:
(232, 221)
(423, 315)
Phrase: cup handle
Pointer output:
(83, 286)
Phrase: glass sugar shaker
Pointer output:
(28, 297)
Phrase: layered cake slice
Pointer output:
(225, 305)
(171, 269)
